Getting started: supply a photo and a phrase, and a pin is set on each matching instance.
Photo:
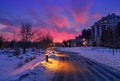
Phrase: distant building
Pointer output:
(71, 43)
(78, 40)
(110, 21)
(85, 37)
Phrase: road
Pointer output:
(73, 67)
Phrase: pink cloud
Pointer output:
(8, 36)
(80, 10)
(80, 17)
(96, 16)
(8, 28)
(60, 36)
(58, 21)
(9, 31)
(57, 36)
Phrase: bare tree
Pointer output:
(38, 39)
(46, 41)
(26, 35)
(1, 41)
(38, 35)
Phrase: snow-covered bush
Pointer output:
(16, 52)
(29, 59)
(21, 57)
(20, 64)
(23, 76)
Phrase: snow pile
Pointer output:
(40, 71)
(11, 65)
(27, 67)
(99, 54)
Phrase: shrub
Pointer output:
(20, 64)
(21, 57)
(17, 52)
(27, 60)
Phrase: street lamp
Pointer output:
(63, 44)
(68, 43)
(84, 43)
(46, 57)
(83, 39)
(51, 44)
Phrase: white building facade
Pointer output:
(110, 21)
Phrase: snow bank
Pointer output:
(33, 69)
(9, 63)
(40, 71)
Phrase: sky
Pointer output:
(63, 19)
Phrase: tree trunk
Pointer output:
(24, 50)
(113, 51)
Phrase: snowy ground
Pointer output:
(99, 54)
(26, 67)
(32, 66)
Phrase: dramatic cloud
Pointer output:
(8, 32)
(58, 21)
(64, 19)
(80, 10)
(2, 26)
(59, 37)
(9, 29)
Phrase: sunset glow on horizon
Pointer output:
(63, 19)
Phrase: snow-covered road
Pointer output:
(73, 67)
(100, 54)
(74, 64)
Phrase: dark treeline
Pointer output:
(28, 39)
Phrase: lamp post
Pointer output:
(46, 57)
